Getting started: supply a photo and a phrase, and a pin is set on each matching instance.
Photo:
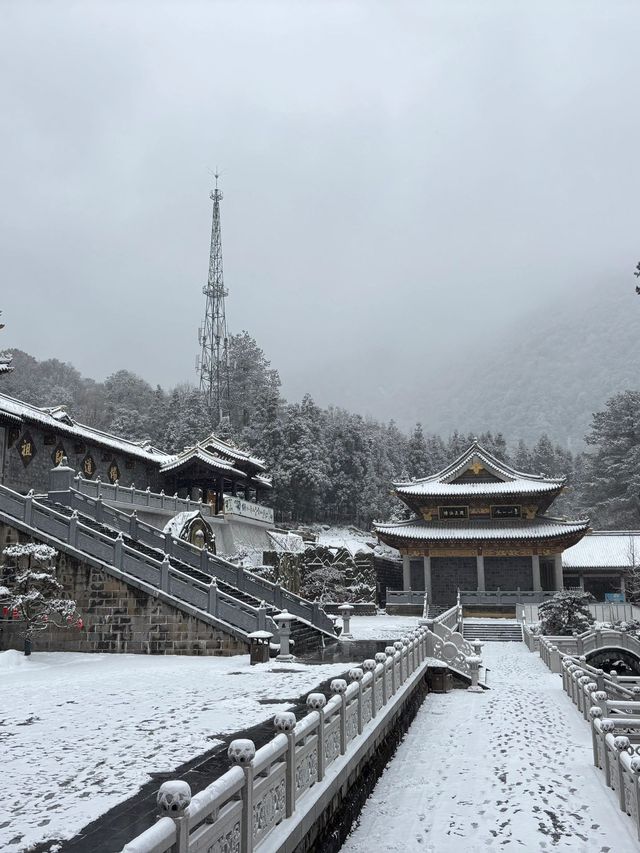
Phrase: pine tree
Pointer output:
(566, 612)
(32, 593)
(611, 478)
(417, 456)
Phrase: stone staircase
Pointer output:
(177, 570)
(493, 630)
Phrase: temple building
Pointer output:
(481, 526)
(34, 439)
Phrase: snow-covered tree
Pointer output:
(611, 486)
(31, 592)
(566, 612)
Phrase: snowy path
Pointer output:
(79, 732)
(510, 769)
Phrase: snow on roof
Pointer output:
(604, 549)
(199, 453)
(58, 420)
(230, 450)
(536, 528)
(475, 458)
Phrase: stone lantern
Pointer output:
(345, 611)
(283, 621)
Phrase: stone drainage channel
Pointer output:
(110, 832)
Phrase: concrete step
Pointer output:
(493, 631)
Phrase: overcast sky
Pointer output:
(400, 179)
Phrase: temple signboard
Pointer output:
(247, 509)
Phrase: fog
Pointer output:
(402, 181)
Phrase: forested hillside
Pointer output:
(328, 464)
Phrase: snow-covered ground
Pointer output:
(509, 769)
(79, 732)
(382, 627)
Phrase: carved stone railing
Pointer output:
(405, 596)
(140, 498)
(264, 800)
(611, 705)
(584, 644)
(503, 597)
(613, 611)
(198, 558)
(70, 534)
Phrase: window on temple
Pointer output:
(113, 472)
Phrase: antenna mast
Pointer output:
(213, 363)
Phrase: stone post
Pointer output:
(426, 561)
(370, 666)
(474, 670)
(28, 507)
(133, 525)
(356, 674)
(173, 800)
(408, 657)
(242, 752)
(406, 572)
(557, 572)
(480, 572)
(316, 702)
(212, 598)
(476, 645)
(72, 533)
(345, 611)
(117, 551)
(382, 659)
(283, 621)
(164, 574)
(61, 477)
(339, 687)
(390, 652)
(398, 647)
(285, 723)
(535, 572)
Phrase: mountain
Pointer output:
(547, 373)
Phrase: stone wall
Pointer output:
(20, 477)
(119, 617)
(508, 573)
(448, 574)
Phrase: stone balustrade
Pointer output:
(142, 498)
(611, 705)
(272, 796)
(157, 573)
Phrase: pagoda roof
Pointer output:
(217, 446)
(199, 454)
(504, 481)
(541, 527)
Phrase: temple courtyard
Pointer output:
(509, 769)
